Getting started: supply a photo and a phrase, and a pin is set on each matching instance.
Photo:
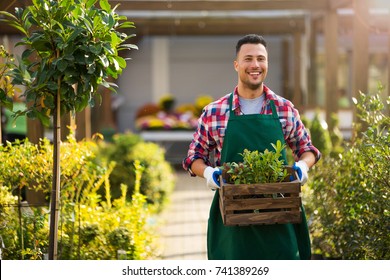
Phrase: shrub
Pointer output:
(348, 199)
(319, 134)
(157, 181)
(88, 224)
(258, 167)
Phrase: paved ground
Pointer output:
(183, 234)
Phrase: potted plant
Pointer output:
(71, 48)
(259, 190)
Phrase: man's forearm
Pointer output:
(309, 158)
(198, 167)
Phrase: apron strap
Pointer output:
(231, 104)
(273, 107)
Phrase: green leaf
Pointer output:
(41, 45)
(62, 65)
(5, 100)
(128, 46)
(31, 114)
(127, 24)
(75, 34)
(95, 49)
(91, 68)
(45, 120)
(105, 5)
(104, 60)
(121, 62)
(52, 86)
(16, 26)
(90, 3)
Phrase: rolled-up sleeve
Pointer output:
(298, 137)
(201, 144)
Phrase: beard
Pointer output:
(253, 86)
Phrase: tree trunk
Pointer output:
(55, 191)
(1, 127)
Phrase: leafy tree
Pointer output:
(348, 196)
(6, 87)
(72, 47)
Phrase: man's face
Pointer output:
(251, 65)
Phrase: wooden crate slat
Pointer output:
(263, 218)
(262, 203)
(242, 189)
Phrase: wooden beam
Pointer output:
(331, 63)
(337, 4)
(216, 5)
(202, 5)
(312, 70)
(360, 54)
(35, 131)
(202, 26)
(285, 66)
(297, 74)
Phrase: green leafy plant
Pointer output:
(72, 47)
(91, 226)
(258, 167)
(7, 89)
(157, 181)
(348, 197)
(320, 135)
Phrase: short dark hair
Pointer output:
(250, 39)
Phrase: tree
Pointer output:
(6, 87)
(72, 47)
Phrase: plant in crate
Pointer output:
(257, 167)
(258, 190)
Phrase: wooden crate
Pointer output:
(256, 204)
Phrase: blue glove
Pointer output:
(301, 170)
(211, 174)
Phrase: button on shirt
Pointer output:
(213, 122)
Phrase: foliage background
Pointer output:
(91, 226)
(347, 199)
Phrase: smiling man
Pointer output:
(251, 117)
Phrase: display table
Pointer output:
(175, 142)
(167, 136)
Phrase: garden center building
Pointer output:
(317, 49)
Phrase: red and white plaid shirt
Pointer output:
(214, 119)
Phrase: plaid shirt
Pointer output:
(214, 119)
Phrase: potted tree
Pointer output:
(6, 87)
(71, 48)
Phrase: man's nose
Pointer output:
(255, 63)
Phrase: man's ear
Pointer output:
(235, 64)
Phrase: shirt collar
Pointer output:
(236, 102)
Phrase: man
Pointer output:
(252, 117)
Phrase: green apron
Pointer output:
(272, 242)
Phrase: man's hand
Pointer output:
(301, 169)
(211, 174)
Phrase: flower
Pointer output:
(165, 117)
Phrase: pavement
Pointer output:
(184, 221)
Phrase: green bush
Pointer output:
(89, 227)
(348, 196)
(320, 135)
(158, 179)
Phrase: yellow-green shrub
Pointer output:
(88, 225)
(158, 179)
